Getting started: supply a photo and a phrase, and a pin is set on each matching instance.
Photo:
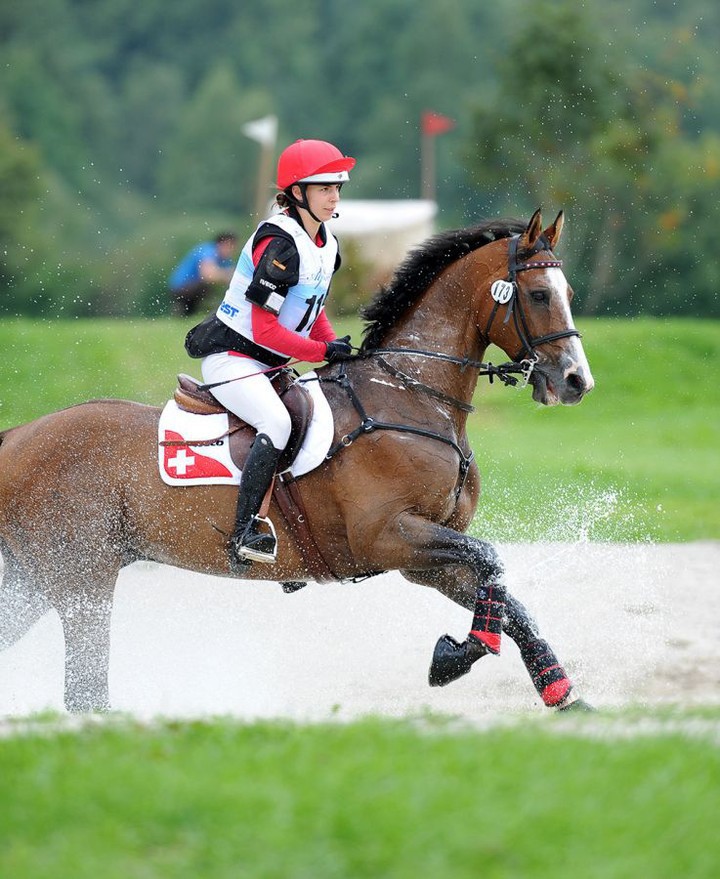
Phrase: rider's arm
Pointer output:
(269, 333)
(322, 329)
(277, 267)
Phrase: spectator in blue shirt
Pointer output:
(209, 263)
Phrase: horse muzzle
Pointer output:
(558, 384)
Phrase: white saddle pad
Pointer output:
(187, 463)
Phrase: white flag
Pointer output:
(263, 130)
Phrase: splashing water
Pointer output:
(583, 560)
(576, 512)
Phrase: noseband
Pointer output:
(506, 293)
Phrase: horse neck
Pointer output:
(443, 321)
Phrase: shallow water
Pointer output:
(633, 624)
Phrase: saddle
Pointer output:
(190, 397)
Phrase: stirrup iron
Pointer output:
(255, 555)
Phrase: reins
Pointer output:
(505, 372)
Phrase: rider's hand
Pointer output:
(338, 349)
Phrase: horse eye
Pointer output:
(539, 295)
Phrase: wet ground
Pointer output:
(633, 624)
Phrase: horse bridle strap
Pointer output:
(514, 304)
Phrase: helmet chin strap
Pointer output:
(304, 203)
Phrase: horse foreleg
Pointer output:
(495, 610)
(86, 625)
(547, 674)
(452, 659)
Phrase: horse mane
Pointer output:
(420, 268)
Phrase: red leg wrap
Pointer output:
(488, 617)
(548, 676)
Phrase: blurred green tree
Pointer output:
(571, 126)
(20, 184)
(208, 162)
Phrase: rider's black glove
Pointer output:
(338, 349)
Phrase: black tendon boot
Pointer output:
(249, 543)
(549, 677)
(452, 659)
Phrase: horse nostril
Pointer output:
(576, 382)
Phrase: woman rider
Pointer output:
(274, 310)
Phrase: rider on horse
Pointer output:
(273, 311)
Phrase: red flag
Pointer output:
(435, 123)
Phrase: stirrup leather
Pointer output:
(257, 554)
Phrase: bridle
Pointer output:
(503, 292)
(506, 293)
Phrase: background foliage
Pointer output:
(121, 142)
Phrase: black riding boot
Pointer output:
(249, 543)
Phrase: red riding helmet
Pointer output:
(312, 161)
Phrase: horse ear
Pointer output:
(553, 233)
(534, 229)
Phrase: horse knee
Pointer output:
(488, 563)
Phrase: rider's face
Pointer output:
(323, 199)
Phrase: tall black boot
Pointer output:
(249, 542)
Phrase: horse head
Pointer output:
(529, 315)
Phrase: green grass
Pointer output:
(540, 797)
(637, 460)
(372, 799)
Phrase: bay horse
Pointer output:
(81, 496)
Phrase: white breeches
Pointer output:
(252, 397)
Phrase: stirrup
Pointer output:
(261, 546)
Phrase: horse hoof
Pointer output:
(577, 705)
(451, 660)
(290, 586)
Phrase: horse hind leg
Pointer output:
(21, 604)
(86, 615)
